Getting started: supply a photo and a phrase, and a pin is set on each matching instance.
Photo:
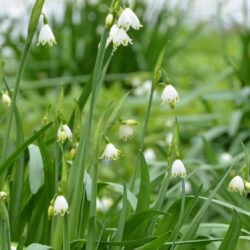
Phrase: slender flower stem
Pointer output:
(92, 213)
(143, 135)
(178, 227)
(80, 171)
(66, 245)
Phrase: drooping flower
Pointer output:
(118, 36)
(149, 154)
(13, 248)
(225, 158)
(46, 36)
(3, 196)
(111, 152)
(63, 133)
(236, 185)
(129, 19)
(126, 132)
(170, 95)
(61, 205)
(6, 100)
(103, 204)
(178, 169)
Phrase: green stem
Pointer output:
(36, 12)
(143, 136)
(178, 227)
(78, 183)
(66, 245)
(4, 227)
(91, 237)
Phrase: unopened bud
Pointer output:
(130, 122)
(50, 211)
(109, 20)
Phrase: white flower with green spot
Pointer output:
(118, 36)
(46, 36)
(178, 169)
(64, 133)
(237, 185)
(129, 19)
(61, 205)
(170, 95)
(6, 100)
(111, 152)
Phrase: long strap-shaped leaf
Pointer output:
(22, 147)
(191, 230)
(233, 233)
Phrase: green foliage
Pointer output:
(131, 203)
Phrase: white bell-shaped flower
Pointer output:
(129, 19)
(178, 169)
(63, 133)
(170, 95)
(111, 152)
(149, 154)
(13, 248)
(237, 185)
(46, 36)
(118, 36)
(126, 132)
(6, 99)
(61, 205)
(3, 196)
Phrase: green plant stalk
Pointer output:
(178, 227)
(91, 237)
(66, 244)
(4, 227)
(134, 175)
(79, 173)
(36, 12)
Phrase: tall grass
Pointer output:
(98, 207)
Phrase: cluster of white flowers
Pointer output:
(237, 185)
(64, 133)
(118, 32)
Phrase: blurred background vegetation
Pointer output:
(208, 61)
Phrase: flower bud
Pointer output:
(50, 211)
(109, 20)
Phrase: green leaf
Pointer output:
(119, 188)
(233, 233)
(190, 233)
(35, 168)
(144, 191)
(36, 246)
(22, 147)
(137, 220)
(246, 164)
(123, 216)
